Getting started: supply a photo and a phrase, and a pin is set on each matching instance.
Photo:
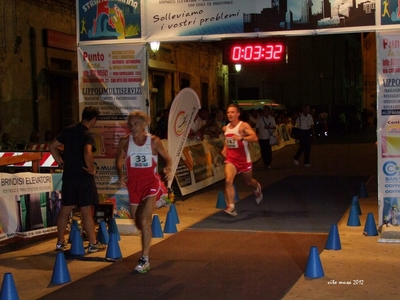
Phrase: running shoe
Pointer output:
(61, 246)
(231, 211)
(258, 193)
(143, 266)
(163, 201)
(96, 247)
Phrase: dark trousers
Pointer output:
(304, 146)
(266, 151)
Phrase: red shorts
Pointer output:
(241, 167)
(141, 189)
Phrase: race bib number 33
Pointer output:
(141, 160)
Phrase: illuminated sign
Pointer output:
(256, 52)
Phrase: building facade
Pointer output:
(39, 79)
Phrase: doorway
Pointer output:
(61, 106)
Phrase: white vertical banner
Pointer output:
(112, 78)
(181, 117)
(388, 125)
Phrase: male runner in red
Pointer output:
(141, 151)
(237, 157)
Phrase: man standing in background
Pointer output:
(78, 188)
(305, 123)
(265, 126)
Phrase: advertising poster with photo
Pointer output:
(29, 204)
(388, 126)
(109, 20)
(112, 78)
(201, 164)
(390, 13)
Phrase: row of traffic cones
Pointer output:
(355, 213)
(314, 267)
(108, 237)
(60, 276)
(60, 273)
(170, 223)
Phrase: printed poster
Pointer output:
(29, 204)
(390, 13)
(388, 126)
(112, 78)
(109, 20)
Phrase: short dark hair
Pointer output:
(89, 113)
(235, 105)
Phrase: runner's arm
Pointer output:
(159, 148)
(248, 133)
(119, 159)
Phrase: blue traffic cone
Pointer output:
(333, 242)
(370, 226)
(363, 191)
(74, 227)
(113, 249)
(102, 234)
(156, 227)
(113, 228)
(60, 270)
(170, 226)
(77, 244)
(221, 201)
(236, 194)
(8, 288)
(357, 204)
(172, 209)
(314, 266)
(354, 219)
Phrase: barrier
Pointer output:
(46, 160)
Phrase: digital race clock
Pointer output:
(256, 52)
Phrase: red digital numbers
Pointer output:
(269, 52)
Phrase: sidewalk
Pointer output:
(367, 267)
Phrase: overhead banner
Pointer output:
(203, 18)
(388, 126)
(179, 20)
(112, 78)
(182, 113)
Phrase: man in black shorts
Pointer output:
(78, 188)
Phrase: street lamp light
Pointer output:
(155, 46)
(238, 68)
